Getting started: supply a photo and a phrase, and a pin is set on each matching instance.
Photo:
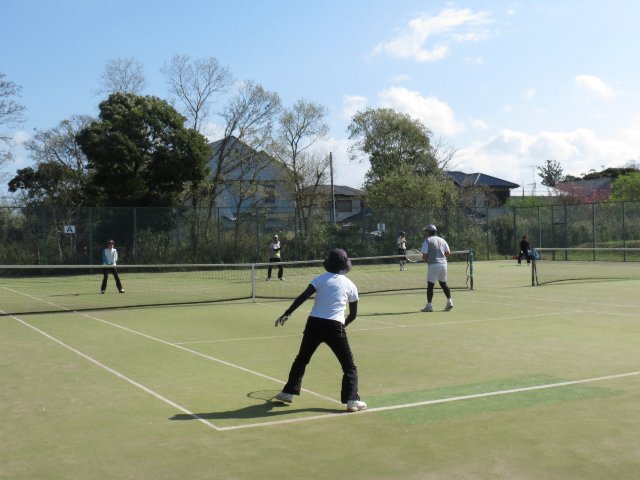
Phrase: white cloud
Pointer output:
(530, 93)
(514, 156)
(351, 104)
(449, 26)
(345, 171)
(479, 124)
(431, 111)
(595, 85)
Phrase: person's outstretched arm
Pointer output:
(301, 299)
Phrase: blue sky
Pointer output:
(507, 84)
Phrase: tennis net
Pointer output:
(49, 288)
(575, 265)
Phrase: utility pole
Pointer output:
(533, 178)
(333, 194)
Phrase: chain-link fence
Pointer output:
(182, 235)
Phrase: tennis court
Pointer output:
(515, 382)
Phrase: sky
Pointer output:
(507, 85)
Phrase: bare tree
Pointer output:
(300, 128)
(122, 75)
(11, 112)
(194, 82)
(248, 118)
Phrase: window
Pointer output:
(343, 206)
(269, 194)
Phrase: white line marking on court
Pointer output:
(437, 401)
(118, 374)
(203, 355)
(180, 347)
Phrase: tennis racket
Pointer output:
(414, 256)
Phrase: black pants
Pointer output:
(333, 333)
(522, 255)
(105, 277)
(275, 260)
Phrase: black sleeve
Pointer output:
(353, 311)
(301, 299)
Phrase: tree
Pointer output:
(122, 75)
(626, 187)
(11, 112)
(551, 173)
(61, 175)
(140, 153)
(194, 83)
(300, 127)
(399, 147)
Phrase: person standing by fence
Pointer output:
(402, 250)
(275, 257)
(110, 258)
(525, 250)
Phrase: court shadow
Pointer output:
(269, 408)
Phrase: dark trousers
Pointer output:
(333, 333)
(275, 260)
(524, 254)
(105, 277)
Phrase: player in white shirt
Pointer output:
(275, 257)
(326, 324)
(435, 251)
(402, 249)
(110, 258)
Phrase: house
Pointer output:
(587, 191)
(251, 179)
(348, 200)
(480, 190)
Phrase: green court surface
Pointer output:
(516, 382)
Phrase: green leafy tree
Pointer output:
(407, 168)
(140, 154)
(551, 173)
(626, 187)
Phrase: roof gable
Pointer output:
(479, 179)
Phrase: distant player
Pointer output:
(402, 250)
(275, 256)
(435, 251)
(525, 250)
(110, 257)
(326, 324)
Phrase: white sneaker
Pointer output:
(284, 397)
(449, 305)
(267, 279)
(281, 279)
(121, 290)
(427, 308)
(101, 291)
(356, 405)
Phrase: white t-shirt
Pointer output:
(333, 292)
(274, 250)
(435, 247)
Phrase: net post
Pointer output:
(471, 269)
(253, 281)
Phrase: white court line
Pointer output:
(118, 374)
(387, 326)
(330, 415)
(180, 347)
(437, 401)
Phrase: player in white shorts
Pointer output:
(435, 251)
